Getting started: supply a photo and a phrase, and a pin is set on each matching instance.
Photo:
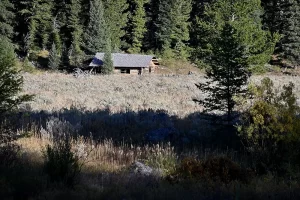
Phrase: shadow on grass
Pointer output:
(25, 179)
(140, 128)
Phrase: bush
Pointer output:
(61, 164)
(27, 66)
(270, 125)
(163, 158)
(214, 169)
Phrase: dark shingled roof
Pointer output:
(123, 60)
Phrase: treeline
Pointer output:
(185, 29)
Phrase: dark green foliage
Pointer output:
(38, 15)
(6, 18)
(75, 56)
(54, 58)
(283, 17)
(56, 38)
(65, 60)
(164, 25)
(290, 43)
(74, 28)
(10, 80)
(96, 32)
(61, 164)
(27, 66)
(270, 127)
(228, 72)
(136, 26)
(151, 8)
(173, 27)
(108, 66)
(116, 17)
(170, 28)
(198, 43)
(273, 17)
(61, 32)
(245, 17)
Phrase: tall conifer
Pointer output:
(173, 26)
(290, 42)
(74, 25)
(75, 30)
(150, 42)
(136, 26)
(6, 19)
(245, 17)
(116, 17)
(38, 13)
(54, 58)
(108, 66)
(96, 32)
(273, 16)
(228, 72)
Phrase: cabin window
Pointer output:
(125, 71)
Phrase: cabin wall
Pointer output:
(127, 70)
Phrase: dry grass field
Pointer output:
(172, 93)
(55, 91)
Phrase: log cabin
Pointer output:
(127, 63)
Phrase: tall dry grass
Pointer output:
(104, 156)
(118, 92)
(172, 93)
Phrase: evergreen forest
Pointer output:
(74, 30)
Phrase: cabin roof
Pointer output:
(123, 60)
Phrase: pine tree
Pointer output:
(290, 43)
(245, 17)
(173, 26)
(116, 18)
(60, 12)
(54, 58)
(273, 16)
(228, 72)
(64, 59)
(136, 26)
(57, 39)
(197, 43)
(96, 33)
(27, 12)
(108, 66)
(180, 31)
(75, 31)
(10, 81)
(6, 19)
(164, 25)
(74, 26)
(85, 12)
(38, 13)
(150, 42)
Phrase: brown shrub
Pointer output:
(214, 169)
(223, 169)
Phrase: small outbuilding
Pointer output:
(127, 63)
